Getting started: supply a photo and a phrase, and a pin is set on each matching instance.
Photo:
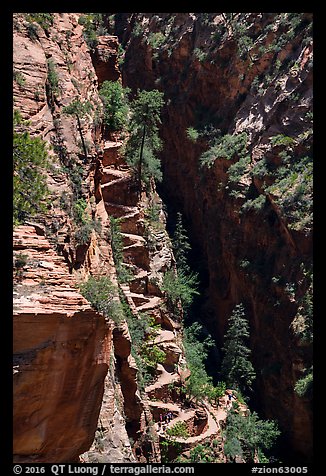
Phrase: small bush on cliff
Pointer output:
(30, 159)
(303, 386)
(192, 134)
(115, 102)
(178, 430)
(180, 286)
(103, 296)
(93, 24)
(52, 78)
(45, 20)
(226, 147)
(19, 78)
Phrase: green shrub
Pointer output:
(32, 31)
(155, 40)
(30, 159)
(102, 294)
(255, 204)
(45, 20)
(84, 231)
(20, 261)
(244, 435)
(303, 387)
(226, 147)
(237, 170)
(115, 103)
(79, 210)
(124, 275)
(53, 79)
(192, 134)
(281, 139)
(93, 26)
(180, 286)
(200, 54)
(178, 430)
(19, 78)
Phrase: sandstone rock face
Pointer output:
(61, 356)
(217, 92)
(62, 345)
(105, 59)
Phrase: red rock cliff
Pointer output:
(207, 83)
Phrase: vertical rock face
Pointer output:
(62, 346)
(215, 89)
(61, 356)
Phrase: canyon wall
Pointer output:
(66, 389)
(253, 256)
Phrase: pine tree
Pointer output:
(245, 435)
(181, 245)
(115, 102)
(236, 366)
(79, 110)
(144, 141)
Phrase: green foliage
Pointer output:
(181, 245)
(145, 353)
(237, 170)
(144, 142)
(178, 430)
(30, 159)
(52, 78)
(303, 386)
(77, 108)
(45, 20)
(152, 212)
(124, 275)
(93, 26)
(227, 147)
(32, 31)
(180, 286)
(246, 434)
(281, 139)
(156, 40)
(79, 209)
(199, 384)
(262, 168)
(20, 261)
(254, 204)
(302, 324)
(200, 54)
(102, 294)
(84, 231)
(75, 174)
(115, 102)
(192, 134)
(292, 190)
(152, 355)
(137, 29)
(236, 366)
(19, 78)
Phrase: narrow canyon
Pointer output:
(162, 249)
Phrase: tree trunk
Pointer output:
(141, 158)
(82, 138)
